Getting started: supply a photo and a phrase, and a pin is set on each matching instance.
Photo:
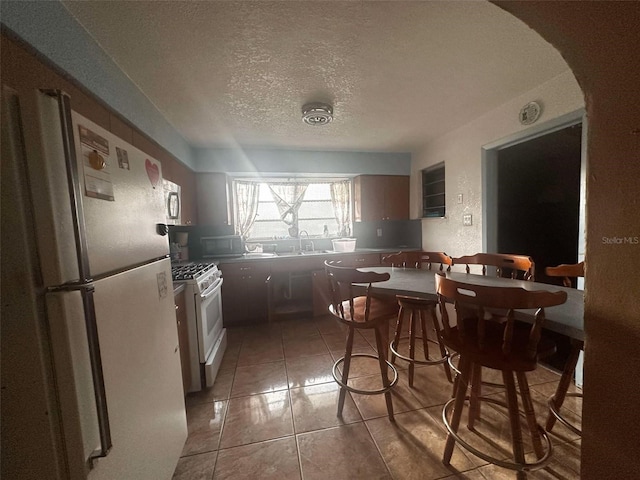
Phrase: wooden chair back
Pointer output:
(419, 260)
(507, 265)
(472, 329)
(344, 298)
(567, 272)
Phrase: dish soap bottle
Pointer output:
(325, 231)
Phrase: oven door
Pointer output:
(209, 318)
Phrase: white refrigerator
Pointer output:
(91, 377)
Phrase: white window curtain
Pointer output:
(288, 198)
(247, 195)
(340, 199)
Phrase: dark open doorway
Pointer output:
(538, 207)
(539, 199)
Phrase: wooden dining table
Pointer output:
(566, 319)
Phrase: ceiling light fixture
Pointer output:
(317, 114)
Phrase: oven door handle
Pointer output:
(212, 289)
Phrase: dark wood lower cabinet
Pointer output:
(297, 287)
(359, 260)
(321, 296)
(244, 293)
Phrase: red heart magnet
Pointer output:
(153, 172)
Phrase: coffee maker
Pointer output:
(179, 249)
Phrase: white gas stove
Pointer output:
(201, 274)
(207, 337)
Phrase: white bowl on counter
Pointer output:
(344, 244)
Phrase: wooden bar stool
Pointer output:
(419, 259)
(484, 343)
(420, 309)
(506, 265)
(567, 272)
(361, 312)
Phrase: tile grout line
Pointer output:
(226, 411)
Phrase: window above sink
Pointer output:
(286, 209)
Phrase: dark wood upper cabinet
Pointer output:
(214, 199)
(381, 197)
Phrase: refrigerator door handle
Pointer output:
(73, 181)
(85, 284)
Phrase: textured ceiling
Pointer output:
(397, 73)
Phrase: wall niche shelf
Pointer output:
(433, 192)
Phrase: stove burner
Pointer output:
(190, 271)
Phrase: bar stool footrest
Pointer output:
(336, 377)
(438, 361)
(556, 412)
(524, 467)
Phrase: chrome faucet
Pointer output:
(300, 240)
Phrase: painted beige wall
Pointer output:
(461, 150)
(599, 40)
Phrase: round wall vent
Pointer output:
(317, 113)
(530, 113)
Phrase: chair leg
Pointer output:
(443, 350)
(396, 336)
(565, 381)
(345, 369)
(476, 392)
(514, 420)
(383, 367)
(425, 338)
(412, 344)
(462, 381)
(455, 384)
(527, 405)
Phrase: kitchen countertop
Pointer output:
(305, 254)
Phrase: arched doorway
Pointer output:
(598, 40)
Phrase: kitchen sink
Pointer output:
(298, 253)
(304, 253)
(259, 255)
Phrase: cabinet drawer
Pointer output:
(362, 260)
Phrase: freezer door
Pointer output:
(142, 375)
(120, 191)
(123, 199)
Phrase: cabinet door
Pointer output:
(369, 198)
(233, 299)
(396, 198)
(244, 292)
(183, 338)
(256, 297)
(214, 201)
(321, 295)
(381, 197)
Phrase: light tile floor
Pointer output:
(272, 415)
